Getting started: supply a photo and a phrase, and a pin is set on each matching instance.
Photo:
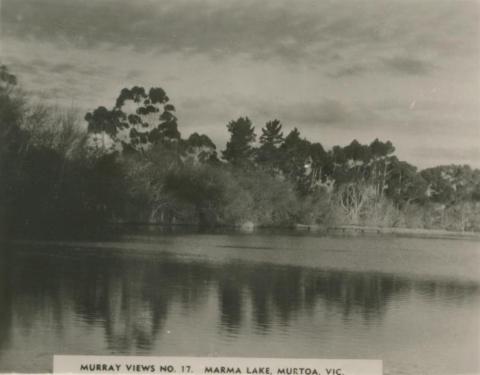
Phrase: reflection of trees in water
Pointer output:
(131, 297)
(5, 300)
(450, 291)
(112, 293)
(280, 293)
(35, 290)
(284, 292)
(230, 299)
(365, 294)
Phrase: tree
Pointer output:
(357, 162)
(319, 161)
(12, 109)
(450, 184)
(199, 148)
(353, 198)
(12, 141)
(348, 163)
(239, 150)
(380, 149)
(258, 197)
(7, 79)
(272, 134)
(404, 185)
(379, 164)
(357, 153)
(137, 120)
(295, 153)
(268, 155)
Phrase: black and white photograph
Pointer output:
(251, 179)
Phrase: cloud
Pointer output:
(332, 69)
(308, 32)
(408, 65)
(62, 68)
(348, 71)
(189, 26)
(326, 112)
(84, 69)
(396, 64)
(133, 74)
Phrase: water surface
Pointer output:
(415, 303)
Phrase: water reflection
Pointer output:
(130, 297)
(5, 301)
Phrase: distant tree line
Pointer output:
(132, 164)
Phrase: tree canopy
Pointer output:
(137, 120)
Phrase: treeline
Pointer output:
(131, 164)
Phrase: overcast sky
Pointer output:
(407, 71)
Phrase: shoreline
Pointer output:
(414, 232)
(249, 227)
(314, 229)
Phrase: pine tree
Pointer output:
(239, 150)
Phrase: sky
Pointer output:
(399, 70)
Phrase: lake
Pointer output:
(412, 302)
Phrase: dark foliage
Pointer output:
(132, 165)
